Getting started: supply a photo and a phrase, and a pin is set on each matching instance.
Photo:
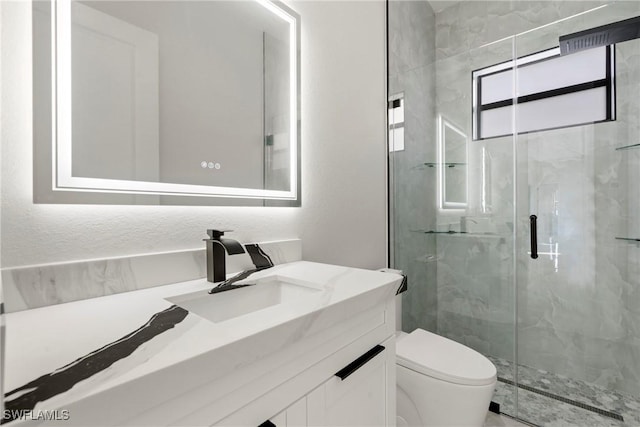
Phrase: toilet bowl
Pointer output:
(441, 382)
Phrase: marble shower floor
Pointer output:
(495, 420)
(534, 407)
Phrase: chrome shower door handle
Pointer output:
(534, 236)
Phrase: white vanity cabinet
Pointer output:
(364, 396)
(354, 385)
(294, 415)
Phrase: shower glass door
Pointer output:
(577, 119)
(452, 192)
(470, 237)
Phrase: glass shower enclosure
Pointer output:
(514, 204)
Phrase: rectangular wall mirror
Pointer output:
(166, 102)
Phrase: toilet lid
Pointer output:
(444, 359)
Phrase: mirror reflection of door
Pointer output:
(115, 97)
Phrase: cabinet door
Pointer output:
(294, 416)
(279, 420)
(365, 397)
(297, 414)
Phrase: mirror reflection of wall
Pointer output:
(276, 113)
(452, 165)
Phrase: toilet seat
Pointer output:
(444, 359)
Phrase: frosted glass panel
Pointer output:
(584, 107)
(396, 139)
(553, 91)
(562, 71)
(497, 87)
(496, 122)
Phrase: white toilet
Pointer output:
(441, 382)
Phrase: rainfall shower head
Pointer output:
(604, 35)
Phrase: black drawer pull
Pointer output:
(359, 362)
(267, 423)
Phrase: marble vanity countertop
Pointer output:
(61, 354)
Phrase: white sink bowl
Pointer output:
(265, 293)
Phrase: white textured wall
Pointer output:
(343, 132)
(342, 218)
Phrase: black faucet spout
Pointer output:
(233, 247)
(217, 249)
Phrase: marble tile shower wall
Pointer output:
(475, 270)
(580, 319)
(411, 62)
(468, 25)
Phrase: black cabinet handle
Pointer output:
(534, 236)
(359, 362)
(267, 423)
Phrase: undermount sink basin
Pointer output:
(234, 303)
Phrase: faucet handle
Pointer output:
(217, 234)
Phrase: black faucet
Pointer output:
(216, 248)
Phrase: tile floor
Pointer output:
(495, 420)
(536, 408)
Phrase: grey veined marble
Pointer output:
(42, 285)
(411, 72)
(535, 405)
